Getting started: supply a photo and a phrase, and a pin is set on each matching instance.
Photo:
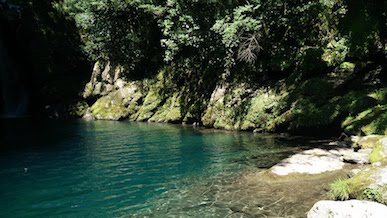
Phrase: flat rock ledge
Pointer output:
(312, 161)
(316, 161)
(348, 209)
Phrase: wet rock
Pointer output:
(312, 161)
(365, 141)
(360, 157)
(88, 115)
(349, 209)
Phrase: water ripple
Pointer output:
(116, 168)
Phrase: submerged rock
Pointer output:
(317, 161)
(349, 209)
(312, 161)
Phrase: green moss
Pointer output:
(377, 153)
(169, 111)
(151, 102)
(351, 188)
(260, 112)
(109, 107)
(228, 111)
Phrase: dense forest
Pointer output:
(306, 67)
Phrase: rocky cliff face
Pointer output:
(311, 106)
(159, 100)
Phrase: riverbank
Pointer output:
(310, 108)
(366, 182)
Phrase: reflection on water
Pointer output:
(119, 168)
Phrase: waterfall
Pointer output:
(14, 97)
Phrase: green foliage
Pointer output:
(310, 50)
(118, 31)
(267, 35)
(339, 190)
(373, 194)
(336, 52)
(351, 188)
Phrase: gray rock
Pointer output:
(312, 161)
(97, 89)
(348, 155)
(348, 209)
(379, 178)
(104, 79)
(88, 115)
(365, 141)
(119, 84)
(351, 156)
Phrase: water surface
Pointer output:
(102, 168)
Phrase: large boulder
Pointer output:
(348, 209)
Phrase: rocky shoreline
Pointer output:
(366, 182)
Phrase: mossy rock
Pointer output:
(351, 188)
(365, 185)
(109, 107)
(378, 153)
(365, 142)
(149, 106)
(169, 112)
(78, 109)
(208, 119)
(260, 110)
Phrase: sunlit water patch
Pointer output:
(106, 168)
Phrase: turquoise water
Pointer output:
(101, 168)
